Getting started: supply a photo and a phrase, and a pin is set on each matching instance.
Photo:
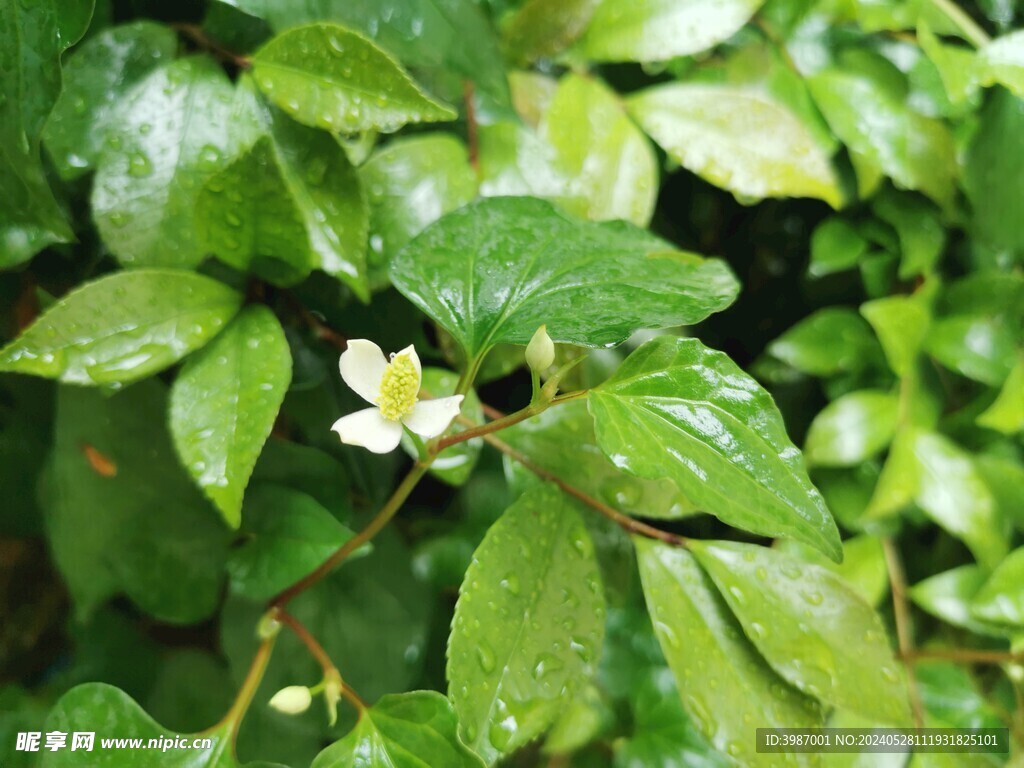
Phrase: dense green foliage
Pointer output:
(772, 474)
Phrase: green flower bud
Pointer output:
(540, 352)
(293, 700)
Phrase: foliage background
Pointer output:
(858, 164)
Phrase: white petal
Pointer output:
(362, 366)
(411, 352)
(429, 418)
(370, 430)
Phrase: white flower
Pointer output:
(293, 700)
(394, 390)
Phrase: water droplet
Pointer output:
(545, 664)
(485, 655)
(511, 583)
(814, 598)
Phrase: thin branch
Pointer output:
(196, 34)
(965, 656)
(375, 526)
(625, 522)
(972, 31)
(233, 719)
(491, 412)
(898, 582)
(319, 328)
(315, 649)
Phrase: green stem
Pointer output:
(469, 375)
(375, 526)
(972, 31)
(233, 719)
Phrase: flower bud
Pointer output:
(540, 352)
(293, 700)
(332, 693)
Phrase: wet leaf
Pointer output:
(1002, 62)
(1001, 598)
(679, 410)
(830, 341)
(122, 327)
(224, 403)
(852, 428)
(496, 270)
(528, 626)
(329, 77)
(1006, 414)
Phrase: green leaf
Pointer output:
(96, 77)
(956, 65)
(664, 735)
(1001, 598)
(496, 270)
(679, 410)
(122, 327)
(405, 730)
(949, 595)
(993, 174)
(1002, 62)
(737, 139)
(927, 469)
(122, 516)
(656, 30)
(561, 441)
(901, 324)
(921, 234)
(428, 35)
(329, 77)
(543, 28)
(610, 162)
(586, 718)
(246, 218)
(315, 183)
(455, 464)
(1006, 414)
(863, 568)
(882, 132)
(827, 342)
(32, 38)
(835, 246)
(724, 682)
(1005, 478)
(528, 625)
(224, 404)
(85, 707)
(980, 347)
(852, 428)
(411, 183)
(286, 535)
(168, 137)
(804, 620)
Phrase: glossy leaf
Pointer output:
(830, 341)
(1002, 62)
(610, 162)
(330, 77)
(949, 596)
(929, 470)
(455, 464)
(287, 534)
(994, 172)
(1006, 414)
(979, 347)
(96, 77)
(835, 246)
(122, 327)
(404, 730)
(496, 270)
(316, 181)
(724, 682)
(87, 707)
(921, 235)
(657, 30)
(1001, 598)
(409, 184)
(679, 410)
(534, 590)
(224, 403)
(561, 441)
(863, 568)
(32, 38)
(852, 428)
(802, 618)
(543, 28)
(514, 160)
(881, 132)
(122, 515)
(737, 139)
(901, 324)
